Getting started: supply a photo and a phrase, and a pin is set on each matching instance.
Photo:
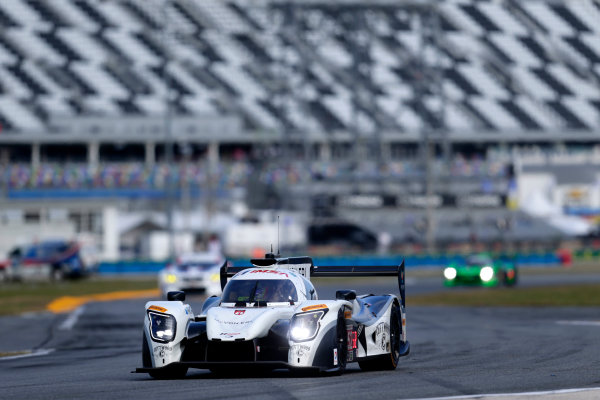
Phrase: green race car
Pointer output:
(481, 270)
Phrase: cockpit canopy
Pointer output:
(259, 291)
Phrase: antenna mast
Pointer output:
(278, 248)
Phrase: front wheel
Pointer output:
(387, 361)
(173, 372)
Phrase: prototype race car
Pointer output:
(270, 317)
(192, 273)
(481, 270)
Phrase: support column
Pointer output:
(325, 151)
(4, 156)
(35, 155)
(150, 154)
(93, 154)
(110, 233)
(385, 151)
(213, 155)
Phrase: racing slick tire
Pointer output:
(387, 361)
(165, 373)
(341, 342)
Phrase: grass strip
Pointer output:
(18, 298)
(586, 295)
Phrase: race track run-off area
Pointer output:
(455, 351)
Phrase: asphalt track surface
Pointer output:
(454, 351)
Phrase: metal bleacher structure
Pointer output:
(379, 74)
(507, 67)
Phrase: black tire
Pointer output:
(56, 273)
(388, 361)
(341, 342)
(174, 372)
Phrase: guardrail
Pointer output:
(411, 261)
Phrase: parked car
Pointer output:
(54, 259)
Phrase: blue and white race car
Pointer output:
(192, 273)
(269, 316)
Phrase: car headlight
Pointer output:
(162, 327)
(450, 273)
(215, 277)
(306, 325)
(486, 274)
(171, 278)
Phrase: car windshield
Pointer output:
(197, 265)
(261, 290)
(478, 261)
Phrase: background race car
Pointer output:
(481, 269)
(192, 273)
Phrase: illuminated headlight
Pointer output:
(450, 273)
(486, 274)
(162, 327)
(215, 277)
(305, 326)
(171, 278)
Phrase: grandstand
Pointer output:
(508, 70)
(159, 98)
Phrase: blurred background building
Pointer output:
(143, 127)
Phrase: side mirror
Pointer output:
(176, 296)
(345, 294)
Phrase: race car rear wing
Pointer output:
(365, 270)
(327, 271)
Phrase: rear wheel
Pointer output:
(387, 361)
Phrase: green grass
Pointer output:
(587, 295)
(17, 298)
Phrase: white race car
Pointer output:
(192, 273)
(270, 317)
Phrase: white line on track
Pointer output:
(579, 323)
(72, 319)
(522, 394)
(39, 352)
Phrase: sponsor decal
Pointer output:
(239, 312)
(348, 314)
(269, 271)
(162, 350)
(232, 322)
(300, 350)
(229, 334)
(315, 307)
(157, 308)
(335, 357)
(350, 356)
(382, 335)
